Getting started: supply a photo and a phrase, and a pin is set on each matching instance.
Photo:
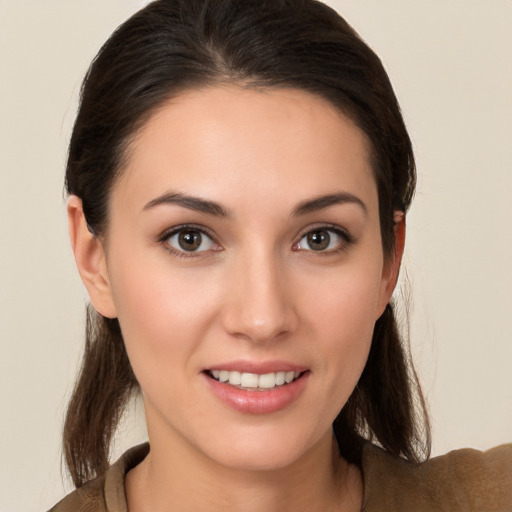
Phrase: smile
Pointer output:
(254, 381)
(257, 392)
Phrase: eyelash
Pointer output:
(346, 238)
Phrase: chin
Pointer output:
(264, 451)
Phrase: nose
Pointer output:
(259, 306)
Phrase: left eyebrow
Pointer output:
(321, 202)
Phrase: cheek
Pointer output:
(343, 320)
(162, 315)
(345, 301)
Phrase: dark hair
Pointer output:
(174, 45)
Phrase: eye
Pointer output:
(323, 240)
(188, 239)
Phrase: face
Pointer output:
(244, 262)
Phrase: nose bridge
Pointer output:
(259, 307)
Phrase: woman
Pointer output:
(239, 174)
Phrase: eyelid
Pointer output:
(327, 226)
(183, 227)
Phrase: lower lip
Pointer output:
(258, 402)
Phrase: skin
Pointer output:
(257, 292)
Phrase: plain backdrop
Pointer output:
(451, 64)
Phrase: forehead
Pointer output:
(231, 141)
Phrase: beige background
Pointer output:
(451, 64)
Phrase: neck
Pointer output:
(319, 481)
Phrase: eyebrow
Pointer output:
(321, 202)
(215, 209)
(190, 202)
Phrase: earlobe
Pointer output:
(90, 259)
(391, 267)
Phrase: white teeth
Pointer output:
(267, 381)
(249, 380)
(280, 378)
(254, 380)
(235, 378)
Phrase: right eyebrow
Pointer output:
(190, 202)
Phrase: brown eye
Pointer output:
(190, 240)
(318, 240)
(324, 240)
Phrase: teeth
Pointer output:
(235, 378)
(249, 380)
(280, 378)
(267, 381)
(254, 380)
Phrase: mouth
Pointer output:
(252, 388)
(255, 381)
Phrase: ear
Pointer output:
(90, 259)
(391, 267)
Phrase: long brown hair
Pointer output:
(173, 45)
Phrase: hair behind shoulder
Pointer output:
(174, 45)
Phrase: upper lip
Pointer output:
(259, 367)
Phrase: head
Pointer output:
(172, 53)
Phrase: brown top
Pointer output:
(463, 480)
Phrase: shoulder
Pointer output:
(105, 493)
(88, 498)
(462, 480)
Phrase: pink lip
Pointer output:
(258, 402)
